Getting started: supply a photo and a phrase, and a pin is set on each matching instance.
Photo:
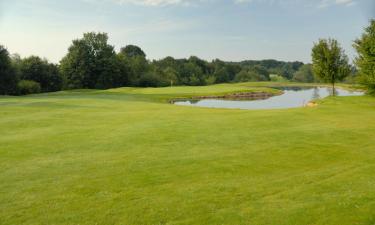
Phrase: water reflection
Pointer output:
(291, 98)
(316, 93)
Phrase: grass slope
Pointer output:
(124, 156)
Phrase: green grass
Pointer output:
(125, 156)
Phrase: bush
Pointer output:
(26, 87)
(245, 76)
(210, 80)
(277, 78)
(41, 71)
(304, 74)
(151, 79)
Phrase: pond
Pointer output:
(291, 98)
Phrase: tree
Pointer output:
(192, 74)
(8, 79)
(329, 61)
(41, 71)
(91, 63)
(132, 51)
(251, 75)
(365, 61)
(304, 74)
(137, 63)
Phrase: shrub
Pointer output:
(245, 76)
(151, 79)
(26, 87)
(277, 78)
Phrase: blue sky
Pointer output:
(231, 30)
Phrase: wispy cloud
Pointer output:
(328, 3)
(153, 3)
(314, 3)
(156, 3)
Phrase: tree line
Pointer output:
(92, 63)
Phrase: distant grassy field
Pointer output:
(125, 156)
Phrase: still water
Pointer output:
(291, 98)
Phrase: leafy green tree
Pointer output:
(365, 61)
(170, 75)
(137, 63)
(132, 51)
(222, 75)
(41, 71)
(192, 74)
(330, 63)
(123, 78)
(304, 74)
(91, 63)
(8, 79)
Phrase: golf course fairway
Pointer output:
(126, 156)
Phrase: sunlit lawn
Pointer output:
(125, 156)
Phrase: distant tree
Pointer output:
(352, 78)
(304, 74)
(192, 74)
(202, 64)
(124, 76)
(278, 78)
(16, 64)
(284, 69)
(152, 79)
(41, 71)
(261, 72)
(170, 75)
(222, 75)
(132, 51)
(330, 63)
(8, 79)
(137, 63)
(254, 74)
(287, 71)
(365, 61)
(91, 63)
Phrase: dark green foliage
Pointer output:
(46, 74)
(304, 74)
(26, 87)
(284, 69)
(255, 73)
(152, 79)
(137, 65)
(365, 61)
(225, 72)
(330, 63)
(132, 51)
(92, 63)
(8, 79)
